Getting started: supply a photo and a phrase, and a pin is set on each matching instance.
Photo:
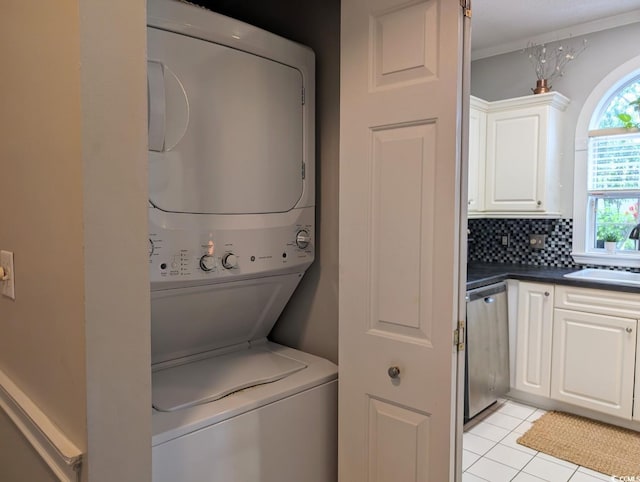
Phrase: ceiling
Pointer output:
(500, 26)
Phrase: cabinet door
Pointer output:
(533, 338)
(515, 163)
(594, 361)
(477, 154)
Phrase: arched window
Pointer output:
(613, 171)
(607, 171)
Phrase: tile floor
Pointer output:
(491, 453)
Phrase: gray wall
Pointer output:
(19, 462)
(511, 75)
(310, 320)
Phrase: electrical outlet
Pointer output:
(7, 275)
(504, 240)
(537, 241)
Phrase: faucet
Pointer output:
(635, 235)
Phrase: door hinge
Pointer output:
(458, 336)
(303, 96)
(466, 7)
(304, 170)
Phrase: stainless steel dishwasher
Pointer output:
(487, 348)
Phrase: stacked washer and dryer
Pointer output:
(231, 230)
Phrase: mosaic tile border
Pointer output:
(486, 234)
(485, 242)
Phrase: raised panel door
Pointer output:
(593, 361)
(516, 151)
(400, 196)
(477, 155)
(534, 338)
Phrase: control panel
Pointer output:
(221, 253)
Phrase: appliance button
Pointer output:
(207, 262)
(230, 261)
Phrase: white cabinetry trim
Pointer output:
(57, 451)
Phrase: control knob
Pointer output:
(230, 261)
(303, 239)
(151, 247)
(207, 262)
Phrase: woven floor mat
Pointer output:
(598, 446)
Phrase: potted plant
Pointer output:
(610, 240)
(627, 119)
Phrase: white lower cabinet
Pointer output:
(579, 346)
(593, 361)
(533, 338)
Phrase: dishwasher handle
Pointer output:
(485, 292)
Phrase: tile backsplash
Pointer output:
(485, 241)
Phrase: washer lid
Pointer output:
(225, 128)
(210, 379)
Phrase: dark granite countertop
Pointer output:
(482, 274)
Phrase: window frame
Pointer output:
(593, 107)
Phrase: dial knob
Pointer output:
(303, 239)
(230, 261)
(151, 247)
(207, 262)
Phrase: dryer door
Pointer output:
(225, 127)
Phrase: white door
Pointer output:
(477, 155)
(533, 338)
(516, 150)
(593, 361)
(401, 91)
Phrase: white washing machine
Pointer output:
(231, 233)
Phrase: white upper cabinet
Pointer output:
(477, 153)
(521, 157)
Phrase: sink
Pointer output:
(606, 276)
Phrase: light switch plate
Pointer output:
(7, 287)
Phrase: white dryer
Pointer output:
(231, 233)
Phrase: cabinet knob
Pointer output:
(629, 330)
(539, 203)
(546, 293)
(393, 372)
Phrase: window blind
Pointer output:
(614, 163)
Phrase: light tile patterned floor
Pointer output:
(491, 453)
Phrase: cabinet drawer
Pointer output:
(613, 303)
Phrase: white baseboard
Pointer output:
(56, 450)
